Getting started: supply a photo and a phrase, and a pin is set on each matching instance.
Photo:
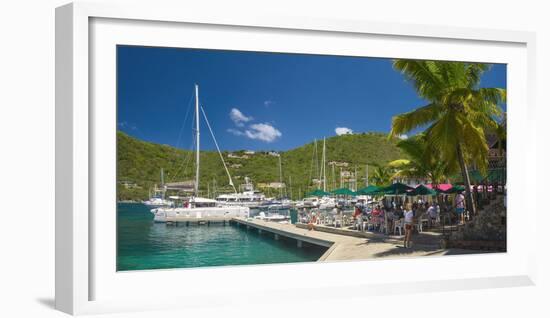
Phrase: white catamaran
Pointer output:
(198, 208)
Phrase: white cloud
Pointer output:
(126, 125)
(235, 132)
(238, 117)
(343, 131)
(403, 136)
(264, 132)
(268, 103)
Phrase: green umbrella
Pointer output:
(372, 189)
(343, 191)
(318, 193)
(421, 190)
(454, 189)
(396, 188)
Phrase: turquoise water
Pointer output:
(143, 244)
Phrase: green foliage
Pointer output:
(424, 162)
(458, 112)
(140, 162)
(382, 176)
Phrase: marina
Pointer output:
(349, 184)
(241, 241)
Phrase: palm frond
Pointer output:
(399, 163)
(423, 75)
(494, 95)
(475, 145)
(474, 72)
(406, 122)
(444, 135)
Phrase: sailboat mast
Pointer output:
(355, 181)
(280, 177)
(317, 169)
(367, 180)
(162, 182)
(198, 134)
(324, 163)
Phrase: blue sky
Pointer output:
(257, 100)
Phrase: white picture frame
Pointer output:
(77, 156)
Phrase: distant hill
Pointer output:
(139, 164)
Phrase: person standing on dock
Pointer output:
(409, 225)
(459, 205)
(312, 221)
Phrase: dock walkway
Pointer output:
(346, 247)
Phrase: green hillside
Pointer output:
(139, 163)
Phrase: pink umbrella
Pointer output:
(442, 187)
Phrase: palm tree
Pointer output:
(381, 176)
(501, 134)
(423, 162)
(457, 113)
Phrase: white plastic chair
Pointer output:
(358, 224)
(399, 226)
(419, 226)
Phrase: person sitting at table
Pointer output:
(375, 211)
(432, 213)
(398, 213)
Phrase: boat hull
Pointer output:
(220, 213)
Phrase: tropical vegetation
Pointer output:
(456, 117)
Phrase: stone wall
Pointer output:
(488, 225)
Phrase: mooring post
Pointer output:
(276, 237)
(299, 243)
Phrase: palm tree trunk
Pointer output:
(466, 177)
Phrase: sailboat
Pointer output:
(156, 196)
(281, 203)
(197, 208)
(325, 202)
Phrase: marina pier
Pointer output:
(343, 246)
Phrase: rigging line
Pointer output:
(219, 152)
(189, 155)
(181, 128)
(184, 120)
(186, 161)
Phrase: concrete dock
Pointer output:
(348, 246)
